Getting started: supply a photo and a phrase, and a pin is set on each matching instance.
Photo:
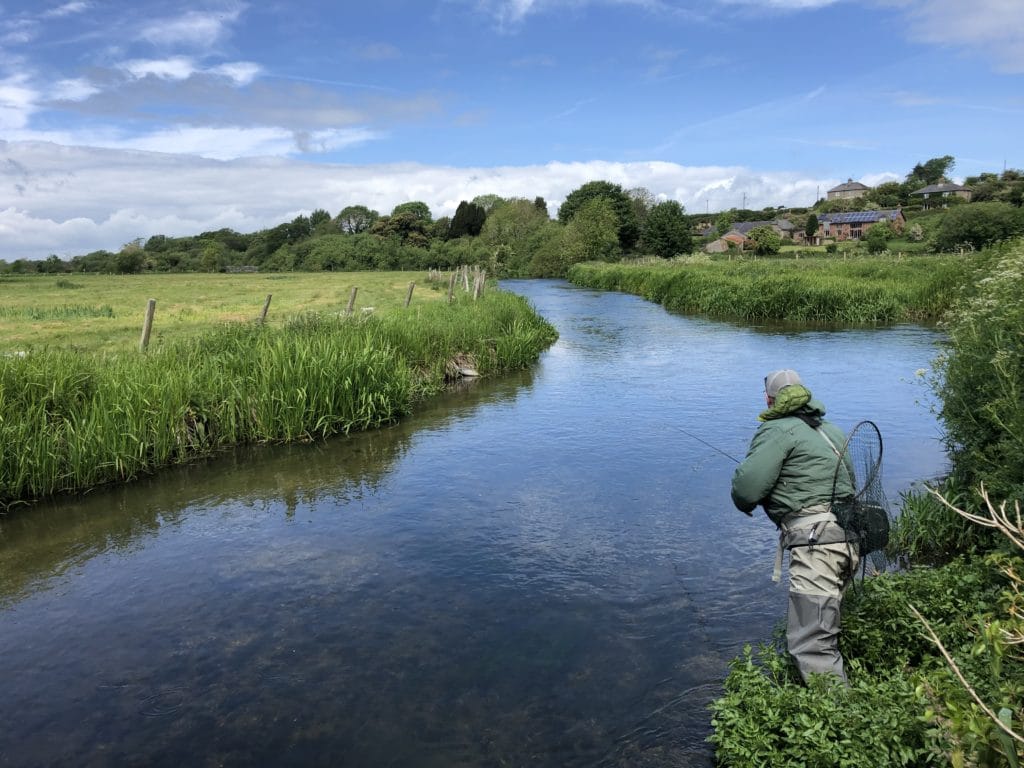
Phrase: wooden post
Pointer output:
(451, 287)
(465, 277)
(266, 306)
(481, 279)
(408, 296)
(147, 325)
(351, 300)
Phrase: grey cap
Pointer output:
(776, 380)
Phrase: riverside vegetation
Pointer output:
(72, 419)
(961, 593)
(813, 290)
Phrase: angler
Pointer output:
(791, 471)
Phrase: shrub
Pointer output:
(978, 225)
(982, 380)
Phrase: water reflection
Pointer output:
(539, 570)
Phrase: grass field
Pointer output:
(105, 312)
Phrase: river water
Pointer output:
(540, 570)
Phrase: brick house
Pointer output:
(853, 225)
(848, 190)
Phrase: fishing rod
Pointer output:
(705, 442)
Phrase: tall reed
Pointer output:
(826, 291)
(70, 421)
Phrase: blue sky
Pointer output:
(122, 120)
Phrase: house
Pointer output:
(853, 224)
(848, 190)
(783, 227)
(933, 193)
(730, 240)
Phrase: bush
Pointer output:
(982, 380)
(766, 718)
(978, 225)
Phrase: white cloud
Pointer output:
(194, 28)
(68, 9)
(175, 68)
(17, 102)
(992, 27)
(71, 200)
(76, 89)
(241, 72)
(787, 5)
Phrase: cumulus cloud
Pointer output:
(174, 68)
(72, 200)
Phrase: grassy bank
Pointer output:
(812, 290)
(906, 705)
(105, 312)
(70, 420)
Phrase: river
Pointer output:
(539, 570)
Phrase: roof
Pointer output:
(860, 217)
(743, 227)
(849, 186)
(932, 189)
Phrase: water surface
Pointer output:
(540, 570)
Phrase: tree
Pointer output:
(621, 205)
(877, 237)
(468, 220)
(511, 228)
(667, 230)
(977, 225)
(643, 202)
(487, 202)
(355, 219)
(318, 218)
(887, 195)
(811, 227)
(766, 240)
(724, 222)
(414, 208)
(930, 172)
(541, 204)
(592, 234)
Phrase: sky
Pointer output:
(122, 120)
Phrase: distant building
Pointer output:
(783, 227)
(853, 224)
(932, 194)
(848, 190)
(731, 239)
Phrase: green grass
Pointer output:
(105, 312)
(835, 290)
(71, 420)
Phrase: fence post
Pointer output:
(451, 287)
(408, 296)
(266, 306)
(147, 325)
(351, 300)
(481, 278)
(465, 277)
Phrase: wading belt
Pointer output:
(813, 519)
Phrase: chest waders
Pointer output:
(821, 565)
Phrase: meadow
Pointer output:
(105, 312)
(82, 406)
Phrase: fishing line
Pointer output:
(705, 442)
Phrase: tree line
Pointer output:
(516, 237)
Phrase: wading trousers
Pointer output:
(818, 576)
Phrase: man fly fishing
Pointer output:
(791, 471)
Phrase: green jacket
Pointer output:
(789, 465)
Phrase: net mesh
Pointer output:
(865, 516)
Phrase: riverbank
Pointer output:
(856, 291)
(935, 677)
(73, 420)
